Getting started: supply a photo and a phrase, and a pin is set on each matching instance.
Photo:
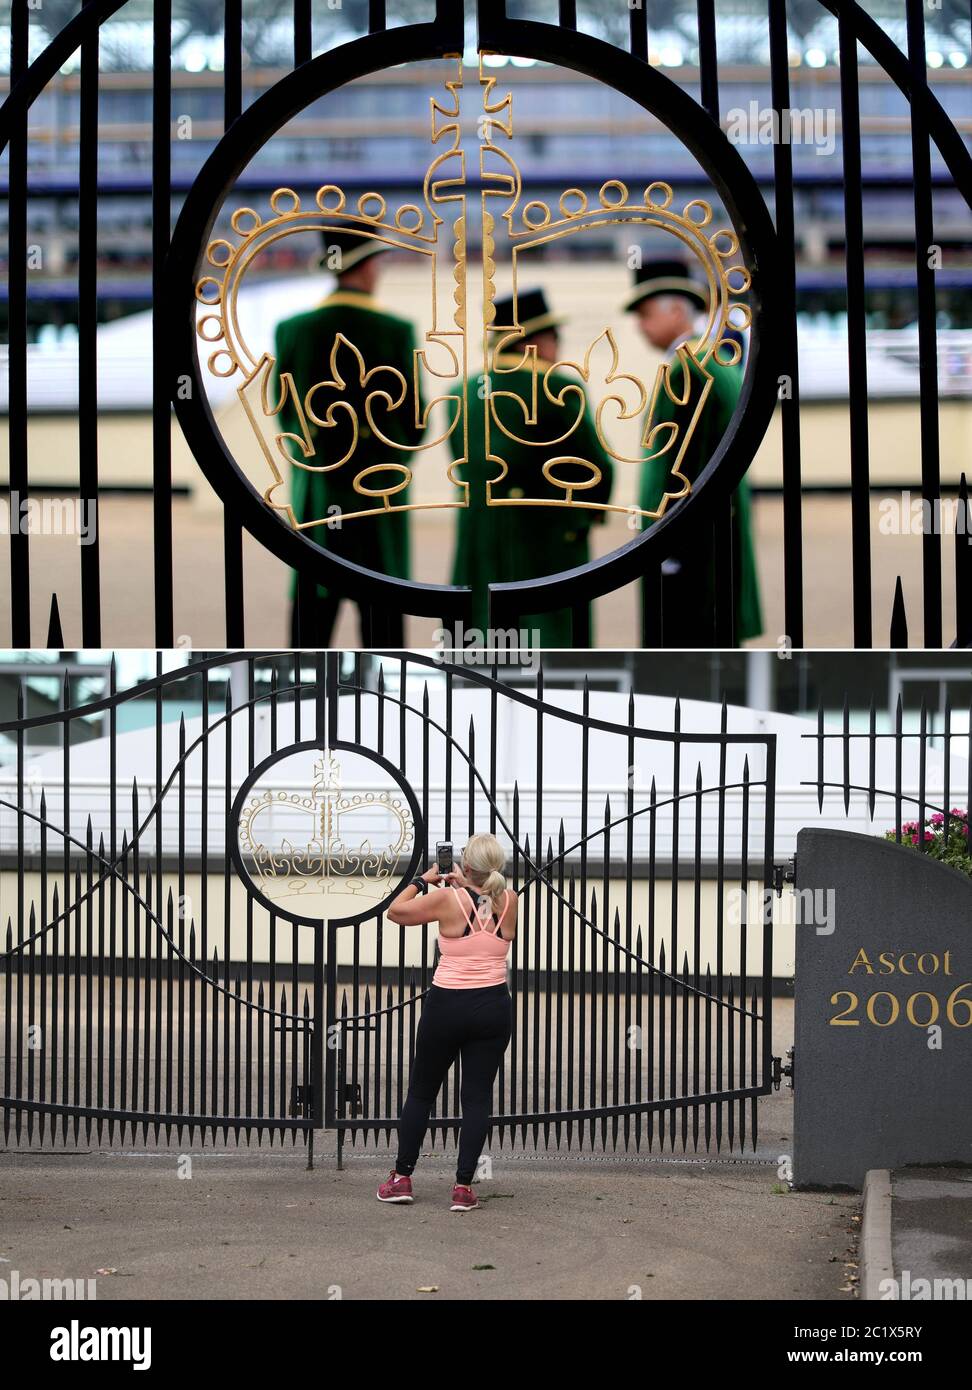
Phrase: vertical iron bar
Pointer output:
(654, 979)
(743, 945)
(638, 31)
(708, 59)
(112, 888)
(676, 805)
(303, 40)
(541, 892)
(963, 567)
(697, 953)
(927, 330)
(232, 528)
(181, 808)
(628, 913)
(203, 888)
(44, 1050)
(856, 335)
(66, 882)
(786, 282)
(161, 418)
(88, 334)
(898, 755)
(768, 852)
(17, 337)
(89, 978)
(922, 767)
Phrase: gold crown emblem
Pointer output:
(325, 861)
(358, 399)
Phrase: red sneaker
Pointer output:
(463, 1199)
(395, 1189)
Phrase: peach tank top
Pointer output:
(479, 957)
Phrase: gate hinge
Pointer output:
(779, 1070)
(782, 874)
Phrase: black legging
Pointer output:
(474, 1024)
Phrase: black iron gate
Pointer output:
(641, 972)
(126, 1009)
(166, 970)
(768, 258)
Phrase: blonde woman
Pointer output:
(468, 1010)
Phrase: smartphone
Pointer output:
(443, 856)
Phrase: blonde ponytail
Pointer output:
(483, 861)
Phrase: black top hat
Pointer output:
(353, 243)
(532, 308)
(665, 277)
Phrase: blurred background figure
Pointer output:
(498, 544)
(304, 345)
(667, 302)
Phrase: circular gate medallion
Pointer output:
(325, 834)
(333, 426)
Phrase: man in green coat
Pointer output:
(666, 301)
(499, 544)
(333, 389)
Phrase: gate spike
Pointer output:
(55, 635)
(899, 619)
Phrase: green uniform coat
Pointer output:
(495, 545)
(698, 585)
(303, 348)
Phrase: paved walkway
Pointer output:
(259, 1225)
